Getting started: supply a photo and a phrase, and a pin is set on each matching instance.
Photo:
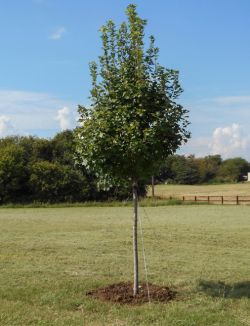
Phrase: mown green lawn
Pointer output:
(50, 257)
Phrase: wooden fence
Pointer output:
(237, 200)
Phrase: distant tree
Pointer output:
(27, 143)
(44, 170)
(179, 169)
(185, 170)
(46, 180)
(63, 148)
(134, 122)
(189, 169)
(53, 182)
(42, 150)
(13, 173)
(166, 173)
(234, 169)
(208, 167)
(9, 140)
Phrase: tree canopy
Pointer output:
(134, 121)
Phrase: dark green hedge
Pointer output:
(42, 170)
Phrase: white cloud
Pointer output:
(232, 100)
(6, 127)
(32, 112)
(58, 33)
(199, 146)
(66, 118)
(219, 124)
(229, 141)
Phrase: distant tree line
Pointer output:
(181, 169)
(44, 170)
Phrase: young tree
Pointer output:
(134, 122)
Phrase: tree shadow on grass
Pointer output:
(230, 291)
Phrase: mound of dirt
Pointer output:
(123, 293)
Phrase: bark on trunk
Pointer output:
(135, 244)
(153, 186)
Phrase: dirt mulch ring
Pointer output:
(123, 293)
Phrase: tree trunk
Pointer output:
(153, 186)
(135, 244)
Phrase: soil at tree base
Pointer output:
(123, 293)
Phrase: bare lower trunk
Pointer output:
(153, 186)
(135, 245)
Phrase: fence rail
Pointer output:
(216, 199)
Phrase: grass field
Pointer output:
(50, 257)
(235, 189)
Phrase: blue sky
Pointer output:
(46, 46)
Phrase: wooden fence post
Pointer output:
(237, 200)
(222, 200)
